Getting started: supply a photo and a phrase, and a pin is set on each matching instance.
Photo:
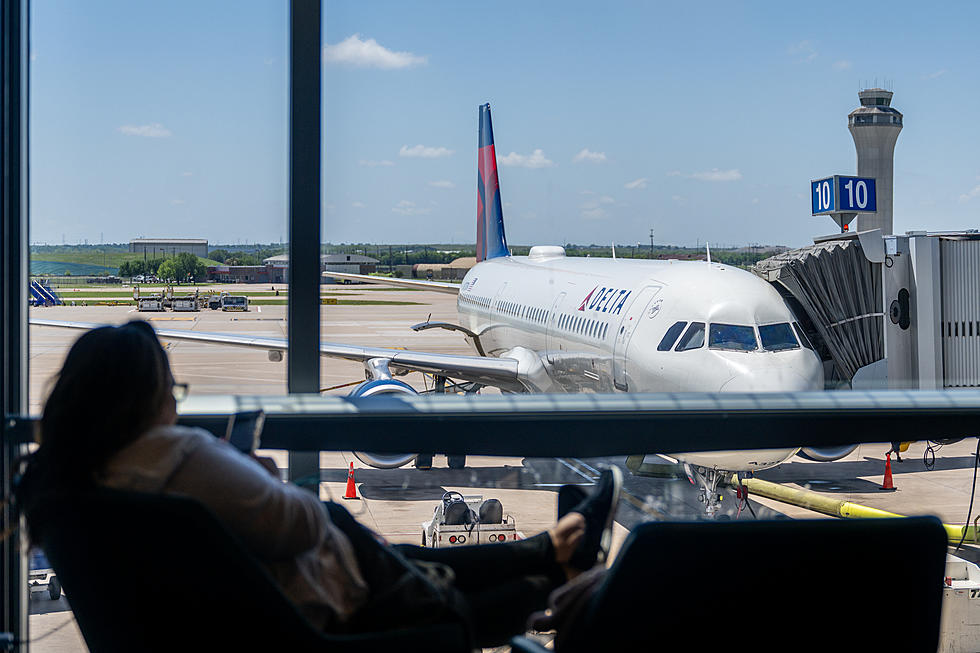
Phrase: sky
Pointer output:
(702, 121)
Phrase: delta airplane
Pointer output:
(547, 322)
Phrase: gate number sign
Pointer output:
(839, 194)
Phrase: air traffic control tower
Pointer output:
(875, 126)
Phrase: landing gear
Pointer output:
(423, 461)
(708, 479)
(456, 462)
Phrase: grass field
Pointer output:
(112, 259)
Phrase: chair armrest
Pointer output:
(523, 644)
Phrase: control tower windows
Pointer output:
(693, 338)
(671, 336)
(733, 337)
(777, 337)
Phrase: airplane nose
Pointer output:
(770, 380)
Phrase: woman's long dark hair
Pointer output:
(114, 385)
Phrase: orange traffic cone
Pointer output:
(888, 484)
(351, 492)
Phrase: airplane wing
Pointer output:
(437, 286)
(502, 373)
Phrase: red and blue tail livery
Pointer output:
(490, 239)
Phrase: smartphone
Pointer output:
(245, 430)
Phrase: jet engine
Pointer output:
(383, 387)
(826, 454)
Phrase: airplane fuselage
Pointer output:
(627, 325)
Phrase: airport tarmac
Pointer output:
(395, 502)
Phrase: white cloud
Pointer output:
(187, 173)
(369, 54)
(357, 205)
(374, 164)
(177, 202)
(587, 155)
(596, 209)
(406, 207)
(755, 200)
(674, 173)
(679, 199)
(970, 194)
(803, 51)
(423, 152)
(535, 159)
(442, 183)
(718, 175)
(153, 130)
(935, 75)
(843, 64)
(636, 184)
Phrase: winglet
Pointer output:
(707, 248)
(490, 239)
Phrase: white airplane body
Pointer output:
(551, 323)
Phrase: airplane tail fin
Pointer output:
(490, 239)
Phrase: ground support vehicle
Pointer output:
(461, 521)
(41, 577)
(234, 303)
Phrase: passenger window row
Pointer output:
(582, 325)
(734, 337)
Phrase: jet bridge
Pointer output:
(888, 311)
(834, 287)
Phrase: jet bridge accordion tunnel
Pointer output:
(899, 312)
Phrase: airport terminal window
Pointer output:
(732, 336)
(693, 338)
(671, 336)
(777, 337)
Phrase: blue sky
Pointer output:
(701, 121)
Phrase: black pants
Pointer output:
(498, 585)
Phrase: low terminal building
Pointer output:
(453, 271)
(350, 263)
(247, 273)
(153, 248)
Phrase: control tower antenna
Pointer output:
(875, 126)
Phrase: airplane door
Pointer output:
(551, 344)
(626, 327)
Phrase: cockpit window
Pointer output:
(693, 338)
(732, 336)
(671, 336)
(802, 335)
(777, 337)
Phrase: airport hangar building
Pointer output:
(275, 268)
(163, 247)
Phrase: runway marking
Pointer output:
(576, 470)
(171, 319)
(260, 308)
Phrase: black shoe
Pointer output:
(598, 509)
(569, 496)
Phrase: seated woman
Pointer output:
(110, 418)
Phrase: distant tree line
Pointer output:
(236, 257)
(181, 268)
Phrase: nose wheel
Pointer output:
(707, 480)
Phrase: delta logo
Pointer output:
(605, 300)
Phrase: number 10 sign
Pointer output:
(839, 194)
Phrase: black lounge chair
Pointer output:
(813, 585)
(160, 573)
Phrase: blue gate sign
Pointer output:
(840, 194)
(856, 195)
